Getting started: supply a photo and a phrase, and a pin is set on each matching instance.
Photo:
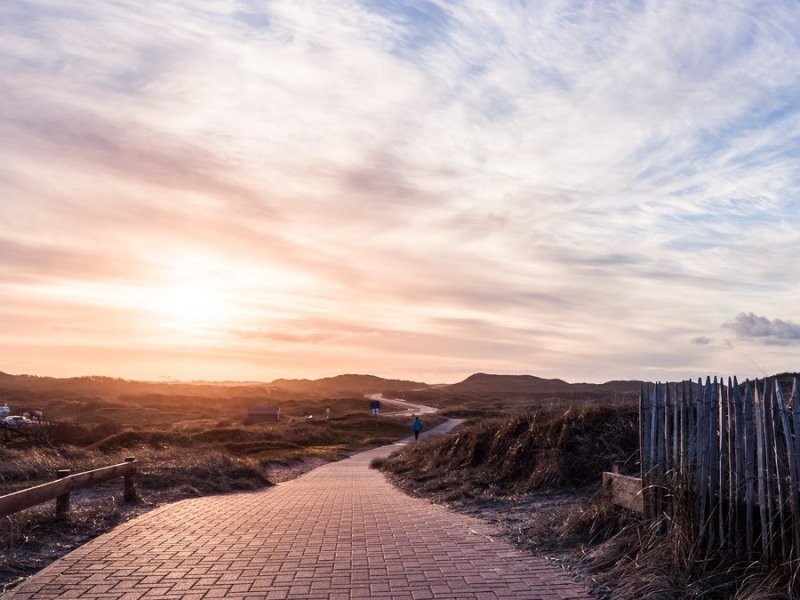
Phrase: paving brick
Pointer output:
(339, 531)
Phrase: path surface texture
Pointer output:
(340, 531)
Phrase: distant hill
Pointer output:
(484, 384)
(105, 399)
(347, 384)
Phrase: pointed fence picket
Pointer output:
(724, 461)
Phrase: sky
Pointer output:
(247, 190)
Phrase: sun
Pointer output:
(194, 302)
(194, 297)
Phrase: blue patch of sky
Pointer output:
(24, 16)
(719, 48)
(495, 105)
(423, 23)
(651, 146)
(778, 107)
(253, 18)
(550, 76)
(151, 63)
(664, 174)
(708, 144)
(29, 21)
(17, 15)
(599, 26)
(689, 190)
(476, 70)
(703, 231)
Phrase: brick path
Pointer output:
(340, 531)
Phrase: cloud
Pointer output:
(562, 181)
(763, 330)
(304, 336)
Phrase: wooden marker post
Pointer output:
(62, 501)
(129, 494)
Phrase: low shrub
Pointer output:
(260, 447)
(230, 434)
(136, 439)
(30, 464)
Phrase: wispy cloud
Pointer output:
(546, 187)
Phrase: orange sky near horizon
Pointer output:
(246, 191)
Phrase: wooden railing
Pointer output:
(66, 483)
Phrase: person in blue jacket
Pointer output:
(416, 427)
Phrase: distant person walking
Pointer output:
(416, 427)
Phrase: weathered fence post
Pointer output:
(740, 445)
(644, 449)
(751, 479)
(62, 501)
(794, 448)
(723, 468)
(130, 494)
(703, 401)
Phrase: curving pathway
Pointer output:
(339, 531)
(406, 408)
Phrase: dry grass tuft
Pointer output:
(31, 539)
(522, 453)
(643, 561)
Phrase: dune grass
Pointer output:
(520, 454)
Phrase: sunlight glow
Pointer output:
(196, 297)
(194, 302)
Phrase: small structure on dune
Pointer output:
(263, 414)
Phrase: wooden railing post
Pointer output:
(130, 494)
(62, 501)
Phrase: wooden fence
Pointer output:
(66, 483)
(722, 460)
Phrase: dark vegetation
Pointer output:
(189, 440)
(537, 475)
(522, 453)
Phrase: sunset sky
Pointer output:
(418, 189)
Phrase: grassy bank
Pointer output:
(520, 454)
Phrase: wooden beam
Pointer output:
(16, 501)
(624, 491)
